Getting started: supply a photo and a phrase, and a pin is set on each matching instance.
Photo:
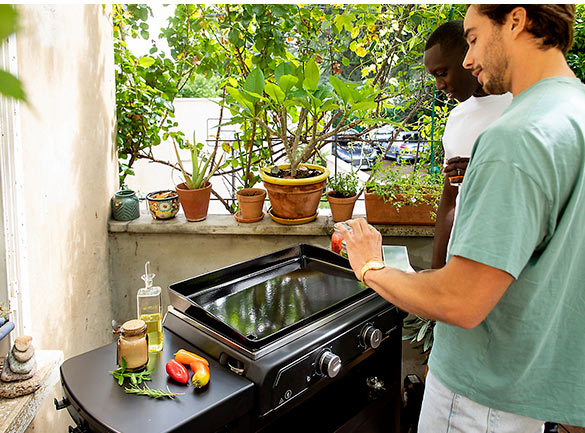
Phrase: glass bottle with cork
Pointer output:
(149, 309)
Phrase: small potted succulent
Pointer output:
(194, 194)
(342, 195)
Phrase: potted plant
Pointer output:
(395, 197)
(194, 194)
(342, 195)
(251, 203)
(294, 110)
(6, 327)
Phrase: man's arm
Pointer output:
(444, 224)
(462, 293)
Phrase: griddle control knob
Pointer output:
(370, 336)
(328, 363)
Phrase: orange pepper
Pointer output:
(185, 357)
(200, 374)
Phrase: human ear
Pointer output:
(517, 20)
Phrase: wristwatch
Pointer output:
(372, 264)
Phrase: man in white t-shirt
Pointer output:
(443, 59)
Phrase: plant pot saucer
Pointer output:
(239, 218)
(291, 221)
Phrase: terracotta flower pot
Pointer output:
(341, 208)
(195, 202)
(295, 199)
(380, 212)
(251, 201)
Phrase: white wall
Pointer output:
(65, 60)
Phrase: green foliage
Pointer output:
(202, 170)
(4, 310)
(576, 56)
(201, 86)
(10, 86)
(417, 186)
(120, 374)
(419, 331)
(345, 185)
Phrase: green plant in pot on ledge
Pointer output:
(194, 194)
(395, 197)
(342, 195)
(296, 110)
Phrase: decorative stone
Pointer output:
(16, 389)
(20, 367)
(23, 356)
(23, 342)
(8, 375)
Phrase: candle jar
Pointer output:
(133, 345)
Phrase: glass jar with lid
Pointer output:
(133, 345)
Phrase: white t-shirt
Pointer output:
(466, 122)
(469, 119)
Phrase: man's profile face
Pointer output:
(487, 56)
(451, 78)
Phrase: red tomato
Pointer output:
(177, 371)
(200, 374)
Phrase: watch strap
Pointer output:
(371, 264)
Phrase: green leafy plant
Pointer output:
(419, 331)
(202, 170)
(416, 186)
(120, 374)
(9, 85)
(344, 185)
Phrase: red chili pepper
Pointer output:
(200, 374)
(177, 371)
(185, 357)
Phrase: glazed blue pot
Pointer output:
(125, 205)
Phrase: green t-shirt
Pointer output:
(522, 210)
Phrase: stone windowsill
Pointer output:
(227, 225)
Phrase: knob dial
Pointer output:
(328, 364)
(371, 337)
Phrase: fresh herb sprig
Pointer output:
(135, 377)
(154, 393)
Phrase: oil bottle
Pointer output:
(149, 309)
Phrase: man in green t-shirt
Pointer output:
(510, 302)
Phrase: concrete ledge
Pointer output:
(227, 225)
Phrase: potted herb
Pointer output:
(342, 195)
(194, 194)
(395, 197)
(298, 112)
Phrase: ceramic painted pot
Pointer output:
(125, 205)
(295, 199)
(163, 205)
(341, 208)
(195, 202)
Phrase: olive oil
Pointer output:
(148, 307)
(154, 331)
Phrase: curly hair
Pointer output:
(449, 36)
(552, 24)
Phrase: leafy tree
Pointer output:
(576, 56)
(10, 86)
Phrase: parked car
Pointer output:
(358, 153)
(381, 137)
(407, 147)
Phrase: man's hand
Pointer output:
(456, 167)
(363, 242)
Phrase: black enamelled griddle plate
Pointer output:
(260, 300)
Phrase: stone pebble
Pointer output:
(8, 376)
(23, 356)
(20, 367)
(23, 342)
(16, 389)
